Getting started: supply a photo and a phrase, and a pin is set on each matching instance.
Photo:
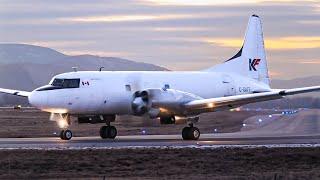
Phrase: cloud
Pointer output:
(98, 53)
(284, 43)
(275, 74)
(310, 22)
(178, 34)
(206, 2)
(60, 43)
(315, 62)
(125, 18)
(176, 29)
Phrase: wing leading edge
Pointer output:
(214, 104)
(15, 92)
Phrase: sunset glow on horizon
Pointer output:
(283, 43)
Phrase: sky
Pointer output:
(175, 34)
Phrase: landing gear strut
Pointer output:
(63, 121)
(190, 133)
(66, 134)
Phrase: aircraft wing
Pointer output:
(15, 92)
(213, 104)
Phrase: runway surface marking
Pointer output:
(227, 140)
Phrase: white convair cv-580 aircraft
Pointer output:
(97, 97)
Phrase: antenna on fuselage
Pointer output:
(75, 69)
(100, 69)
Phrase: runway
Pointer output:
(162, 141)
(299, 129)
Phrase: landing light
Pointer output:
(55, 110)
(60, 119)
(163, 110)
(62, 123)
(236, 109)
(244, 125)
(210, 105)
(260, 120)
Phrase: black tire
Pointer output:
(194, 133)
(67, 134)
(185, 133)
(103, 132)
(62, 134)
(112, 132)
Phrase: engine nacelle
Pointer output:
(170, 101)
(160, 102)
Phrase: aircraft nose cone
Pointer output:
(38, 99)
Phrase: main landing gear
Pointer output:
(190, 133)
(109, 132)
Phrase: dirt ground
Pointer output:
(222, 163)
(167, 163)
(29, 122)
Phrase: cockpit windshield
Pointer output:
(66, 83)
(58, 83)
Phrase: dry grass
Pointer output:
(261, 163)
(33, 123)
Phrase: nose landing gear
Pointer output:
(66, 134)
(63, 121)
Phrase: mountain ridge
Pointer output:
(36, 65)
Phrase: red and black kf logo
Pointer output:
(253, 63)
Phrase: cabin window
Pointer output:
(128, 87)
(165, 87)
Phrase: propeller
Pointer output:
(140, 103)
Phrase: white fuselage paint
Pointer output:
(112, 92)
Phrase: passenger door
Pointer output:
(228, 85)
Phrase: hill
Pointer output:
(27, 67)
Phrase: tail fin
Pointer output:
(251, 59)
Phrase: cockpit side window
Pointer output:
(71, 83)
(57, 82)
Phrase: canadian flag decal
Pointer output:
(85, 83)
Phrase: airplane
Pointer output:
(100, 96)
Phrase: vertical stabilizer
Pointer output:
(251, 59)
